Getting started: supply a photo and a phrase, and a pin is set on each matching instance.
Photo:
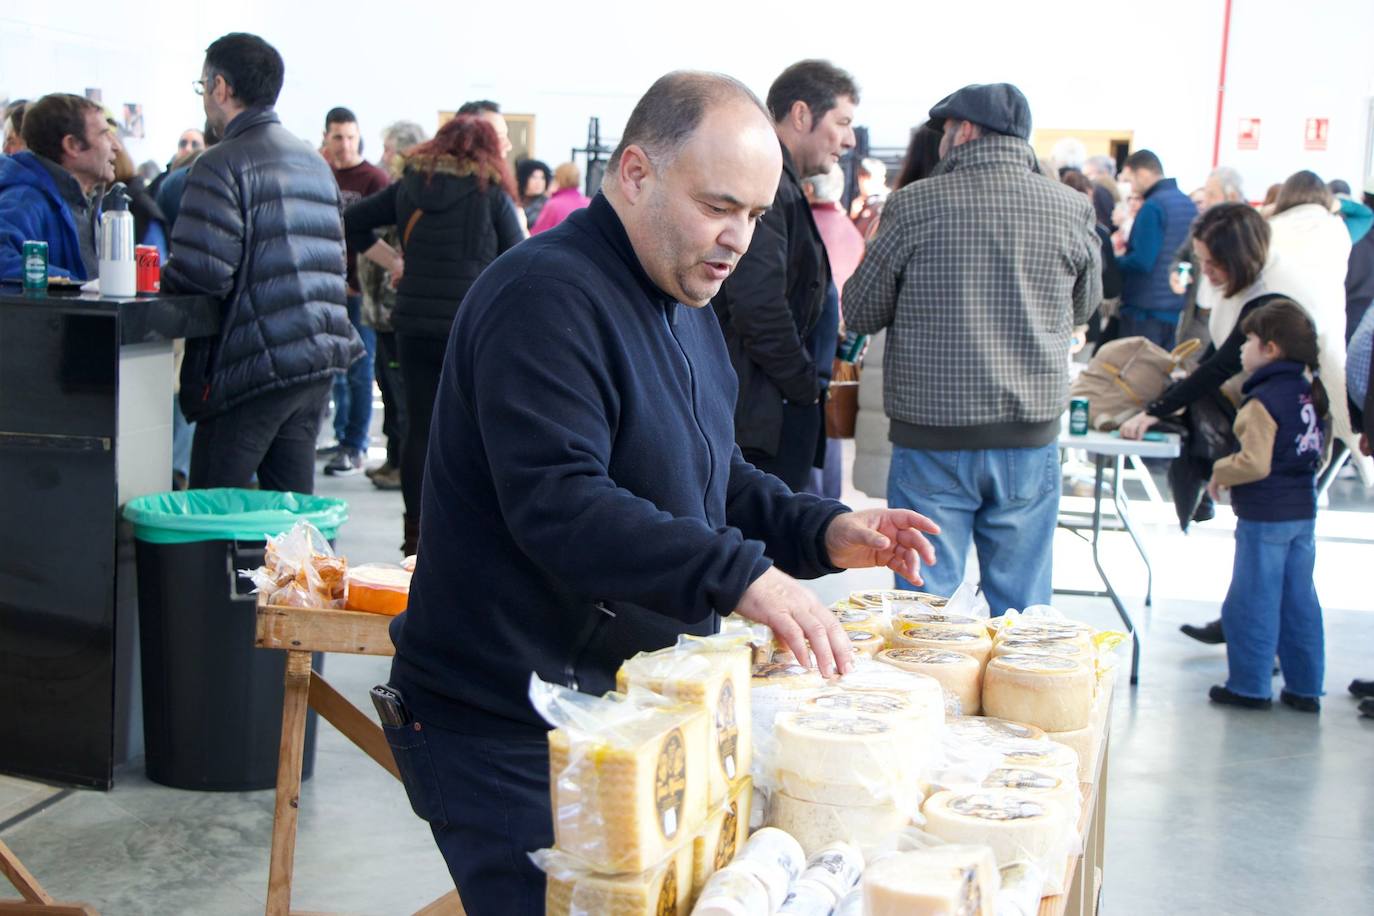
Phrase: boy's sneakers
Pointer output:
(1362, 689)
(346, 461)
(1209, 633)
(1300, 703)
(1220, 694)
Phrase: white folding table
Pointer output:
(1108, 449)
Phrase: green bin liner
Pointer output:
(187, 516)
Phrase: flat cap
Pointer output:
(999, 107)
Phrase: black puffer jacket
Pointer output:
(460, 230)
(259, 229)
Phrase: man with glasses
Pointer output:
(259, 230)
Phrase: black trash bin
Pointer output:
(211, 701)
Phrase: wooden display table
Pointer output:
(1083, 874)
(36, 900)
(299, 632)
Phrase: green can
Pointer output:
(35, 266)
(1078, 417)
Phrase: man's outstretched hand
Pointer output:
(894, 538)
(799, 619)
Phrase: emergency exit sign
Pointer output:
(1249, 133)
(1315, 134)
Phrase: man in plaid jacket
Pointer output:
(980, 273)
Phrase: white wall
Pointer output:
(1155, 74)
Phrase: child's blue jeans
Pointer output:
(1272, 606)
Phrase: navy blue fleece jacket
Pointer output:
(584, 499)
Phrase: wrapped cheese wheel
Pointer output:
(1055, 694)
(867, 643)
(842, 758)
(778, 687)
(1039, 755)
(977, 646)
(1015, 825)
(923, 618)
(938, 881)
(1040, 784)
(964, 726)
(1023, 645)
(377, 589)
(960, 675)
(896, 599)
(817, 825)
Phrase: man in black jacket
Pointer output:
(259, 229)
(584, 499)
(773, 301)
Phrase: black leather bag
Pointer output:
(1208, 436)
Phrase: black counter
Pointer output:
(85, 420)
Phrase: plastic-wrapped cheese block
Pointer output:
(915, 636)
(816, 826)
(837, 867)
(664, 890)
(965, 726)
(628, 795)
(959, 674)
(733, 891)
(724, 835)
(1040, 784)
(841, 758)
(377, 589)
(1040, 755)
(1055, 694)
(776, 858)
(718, 680)
(1013, 823)
(957, 880)
(922, 618)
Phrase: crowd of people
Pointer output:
(621, 433)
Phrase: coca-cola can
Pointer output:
(149, 268)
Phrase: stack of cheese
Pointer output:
(757, 881)
(937, 881)
(714, 675)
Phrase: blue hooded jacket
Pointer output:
(32, 209)
(1160, 228)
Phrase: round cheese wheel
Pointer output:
(1070, 631)
(1023, 645)
(1038, 784)
(778, 687)
(960, 675)
(895, 598)
(963, 726)
(1015, 825)
(856, 617)
(1055, 694)
(926, 694)
(976, 645)
(865, 642)
(1040, 755)
(922, 618)
(817, 825)
(844, 758)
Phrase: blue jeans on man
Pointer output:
(1272, 607)
(1003, 501)
(353, 391)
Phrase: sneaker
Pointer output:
(1209, 633)
(385, 467)
(1220, 694)
(345, 462)
(1366, 708)
(328, 451)
(390, 480)
(1300, 703)
(1362, 689)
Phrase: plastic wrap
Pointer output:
(1055, 694)
(776, 688)
(960, 675)
(735, 890)
(574, 890)
(837, 867)
(817, 826)
(933, 880)
(713, 673)
(300, 569)
(1023, 885)
(628, 774)
(775, 858)
(851, 904)
(1015, 825)
(725, 833)
(967, 726)
(378, 588)
(808, 898)
(837, 757)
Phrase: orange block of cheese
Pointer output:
(378, 589)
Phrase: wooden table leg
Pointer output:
(289, 759)
(19, 876)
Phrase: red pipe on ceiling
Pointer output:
(1221, 85)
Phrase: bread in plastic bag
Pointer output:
(300, 569)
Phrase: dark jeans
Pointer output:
(353, 392)
(272, 435)
(1134, 324)
(388, 370)
(422, 360)
(798, 446)
(487, 804)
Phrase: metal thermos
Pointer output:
(118, 265)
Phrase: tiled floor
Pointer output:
(1211, 810)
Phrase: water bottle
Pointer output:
(118, 266)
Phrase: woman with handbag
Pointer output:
(455, 206)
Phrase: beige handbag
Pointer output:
(1124, 376)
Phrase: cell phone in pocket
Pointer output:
(391, 709)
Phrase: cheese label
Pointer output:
(853, 616)
(667, 892)
(772, 670)
(869, 703)
(844, 725)
(1037, 645)
(992, 808)
(862, 636)
(1043, 631)
(1036, 662)
(917, 631)
(729, 836)
(971, 894)
(1014, 778)
(727, 728)
(1037, 757)
(670, 783)
(926, 656)
(931, 617)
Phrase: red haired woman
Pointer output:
(453, 205)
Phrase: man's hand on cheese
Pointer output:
(797, 618)
(894, 538)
